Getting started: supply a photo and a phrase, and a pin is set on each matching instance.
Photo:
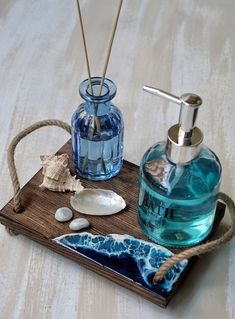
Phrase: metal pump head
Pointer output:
(183, 138)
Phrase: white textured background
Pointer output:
(180, 46)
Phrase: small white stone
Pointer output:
(79, 223)
(63, 214)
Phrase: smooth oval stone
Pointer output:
(63, 214)
(79, 223)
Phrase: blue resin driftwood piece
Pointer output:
(132, 258)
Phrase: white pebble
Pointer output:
(63, 214)
(79, 223)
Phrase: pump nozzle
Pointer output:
(189, 103)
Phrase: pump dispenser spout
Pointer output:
(184, 134)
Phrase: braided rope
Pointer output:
(11, 151)
(204, 248)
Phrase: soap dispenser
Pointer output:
(179, 181)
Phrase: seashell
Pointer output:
(57, 176)
(54, 166)
(98, 202)
(63, 214)
(70, 184)
(160, 170)
(157, 168)
(79, 223)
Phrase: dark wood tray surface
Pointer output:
(38, 223)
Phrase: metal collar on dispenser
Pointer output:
(184, 139)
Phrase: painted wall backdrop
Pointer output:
(177, 45)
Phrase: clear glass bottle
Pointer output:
(97, 132)
(179, 181)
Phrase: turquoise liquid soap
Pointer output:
(97, 132)
(179, 181)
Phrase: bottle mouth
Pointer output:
(182, 153)
(108, 92)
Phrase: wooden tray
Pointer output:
(37, 222)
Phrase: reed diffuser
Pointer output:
(97, 124)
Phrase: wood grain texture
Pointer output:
(37, 221)
(178, 45)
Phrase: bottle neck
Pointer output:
(96, 102)
(98, 109)
(182, 153)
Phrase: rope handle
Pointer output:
(18, 208)
(196, 250)
(204, 248)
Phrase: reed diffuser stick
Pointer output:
(110, 46)
(84, 44)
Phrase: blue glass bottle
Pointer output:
(178, 183)
(97, 132)
(177, 202)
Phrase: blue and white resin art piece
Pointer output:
(133, 258)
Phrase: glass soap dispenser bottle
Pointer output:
(179, 181)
